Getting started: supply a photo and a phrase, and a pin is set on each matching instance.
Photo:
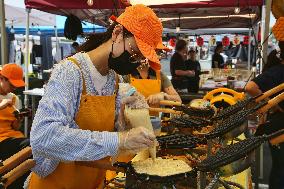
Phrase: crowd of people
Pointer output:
(185, 68)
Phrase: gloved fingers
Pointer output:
(147, 142)
(148, 134)
(149, 137)
(128, 100)
(142, 141)
(150, 99)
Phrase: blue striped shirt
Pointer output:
(54, 135)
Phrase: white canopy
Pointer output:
(19, 16)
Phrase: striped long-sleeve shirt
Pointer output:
(54, 135)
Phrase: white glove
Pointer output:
(156, 98)
(136, 139)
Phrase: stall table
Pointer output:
(33, 93)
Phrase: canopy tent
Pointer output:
(193, 14)
(100, 12)
(216, 17)
(17, 17)
(55, 5)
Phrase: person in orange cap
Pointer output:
(75, 120)
(11, 139)
(11, 78)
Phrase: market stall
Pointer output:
(201, 155)
(196, 132)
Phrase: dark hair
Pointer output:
(191, 50)
(75, 44)
(219, 46)
(272, 60)
(94, 40)
(181, 44)
(281, 46)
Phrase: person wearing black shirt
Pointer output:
(178, 67)
(193, 65)
(217, 59)
(270, 78)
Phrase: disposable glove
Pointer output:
(156, 98)
(136, 139)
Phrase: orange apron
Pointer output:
(6, 119)
(96, 113)
(148, 87)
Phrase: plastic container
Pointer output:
(156, 124)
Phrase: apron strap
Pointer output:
(73, 60)
(158, 75)
(14, 99)
(116, 88)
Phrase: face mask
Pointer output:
(121, 64)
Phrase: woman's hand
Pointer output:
(156, 98)
(136, 139)
(190, 73)
(5, 102)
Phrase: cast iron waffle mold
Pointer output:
(234, 152)
(179, 141)
(234, 121)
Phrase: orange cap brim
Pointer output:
(17, 83)
(149, 52)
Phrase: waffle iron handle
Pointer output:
(104, 163)
(122, 166)
(17, 172)
(15, 160)
(165, 110)
(170, 103)
(277, 137)
(271, 103)
(270, 92)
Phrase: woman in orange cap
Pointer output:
(75, 120)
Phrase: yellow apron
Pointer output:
(96, 113)
(6, 119)
(148, 87)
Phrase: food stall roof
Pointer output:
(46, 5)
(194, 15)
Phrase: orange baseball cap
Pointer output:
(14, 74)
(147, 29)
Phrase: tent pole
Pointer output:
(265, 30)
(249, 49)
(4, 55)
(56, 39)
(26, 102)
